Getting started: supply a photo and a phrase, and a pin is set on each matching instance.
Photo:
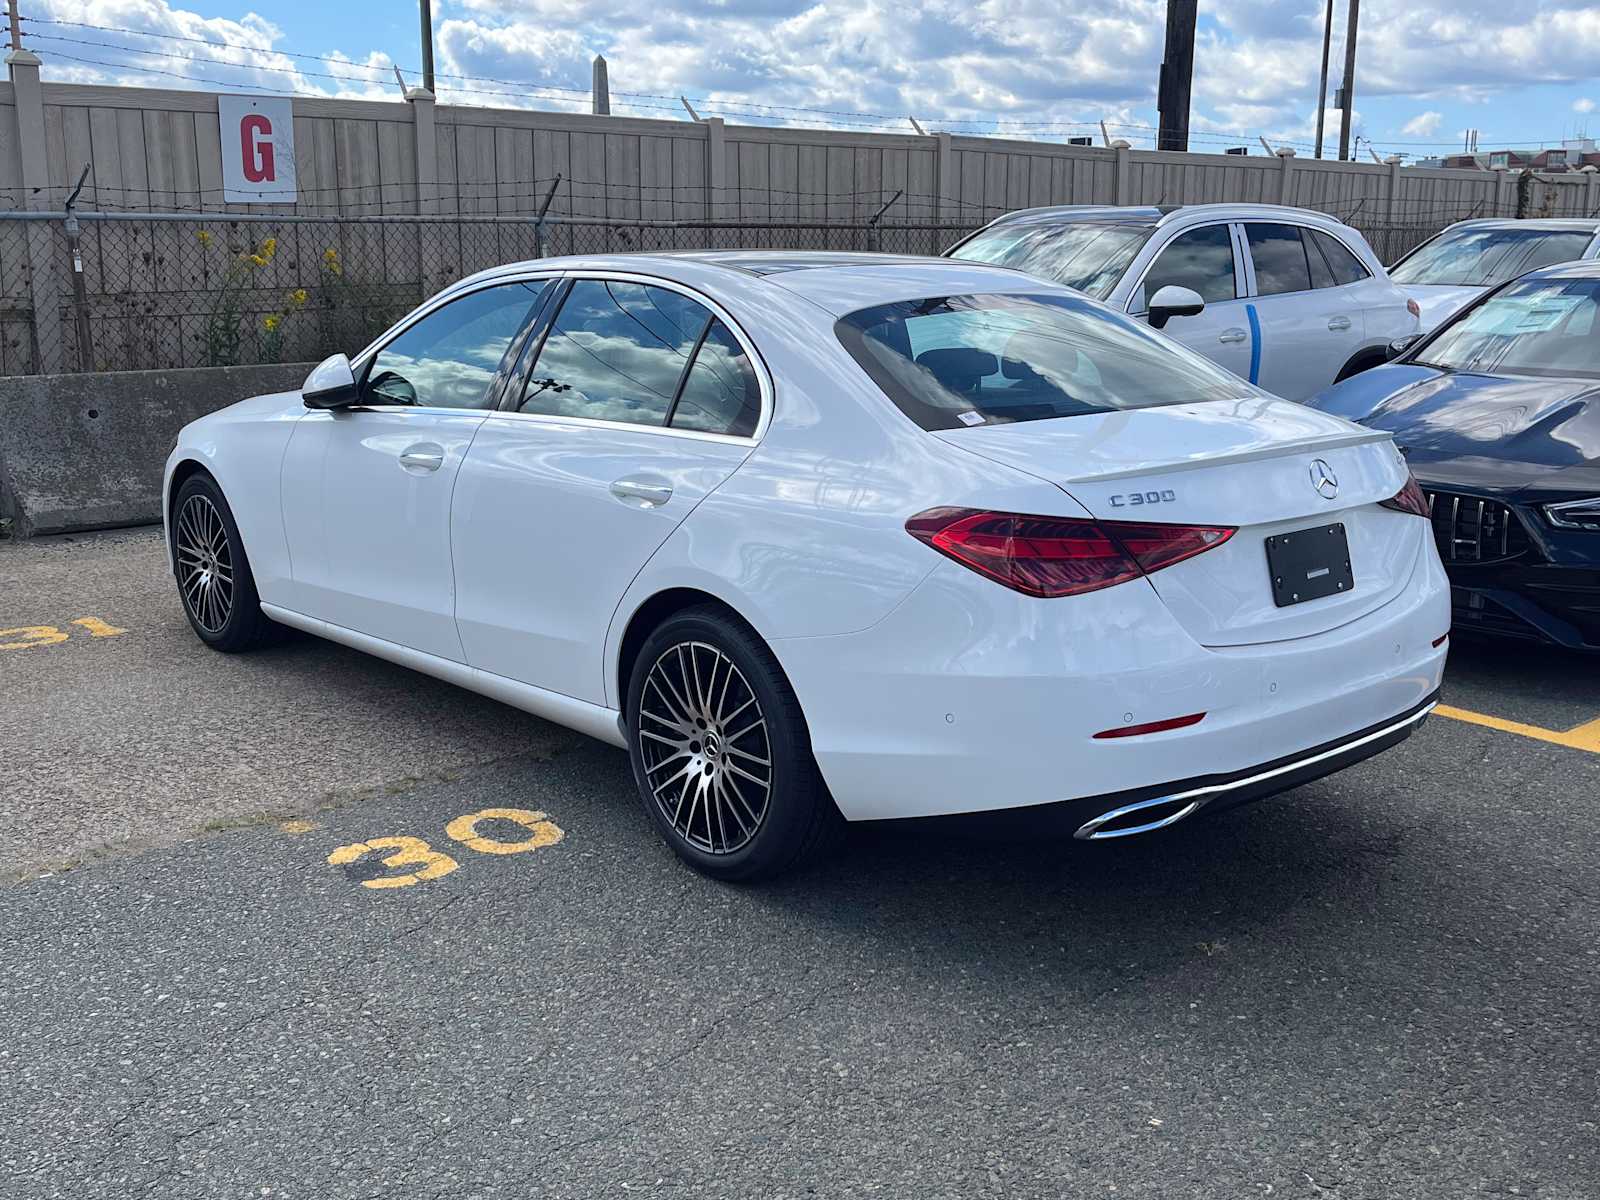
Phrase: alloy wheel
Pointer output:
(205, 564)
(707, 758)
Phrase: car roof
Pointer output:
(1159, 215)
(1545, 224)
(1588, 268)
(838, 281)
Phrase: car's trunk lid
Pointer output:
(1246, 464)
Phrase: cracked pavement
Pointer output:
(1382, 985)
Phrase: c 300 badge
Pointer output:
(1136, 499)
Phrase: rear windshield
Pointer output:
(953, 361)
(1538, 327)
(1485, 257)
(1087, 256)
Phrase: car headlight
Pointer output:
(1575, 514)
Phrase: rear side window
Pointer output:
(615, 352)
(1280, 258)
(643, 355)
(720, 394)
(953, 361)
(1201, 259)
(1344, 265)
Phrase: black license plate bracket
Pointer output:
(1308, 564)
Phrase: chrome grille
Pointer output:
(1472, 529)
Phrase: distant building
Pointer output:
(1571, 155)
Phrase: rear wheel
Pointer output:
(720, 751)
(1364, 361)
(214, 579)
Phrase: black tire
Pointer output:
(1358, 364)
(717, 794)
(215, 585)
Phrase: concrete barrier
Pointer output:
(86, 451)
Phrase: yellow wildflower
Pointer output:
(258, 260)
(203, 236)
(330, 255)
(272, 322)
(269, 247)
(298, 297)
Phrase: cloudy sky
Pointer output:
(1519, 71)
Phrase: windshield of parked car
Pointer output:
(1540, 327)
(953, 361)
(1088, 256)
(1485, 257)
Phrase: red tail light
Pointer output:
(1409, 499)
(1058, 556)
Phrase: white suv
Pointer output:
(1292, 300)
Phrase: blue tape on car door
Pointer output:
(1255, 343)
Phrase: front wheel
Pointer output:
(214, 579)
(720, 751)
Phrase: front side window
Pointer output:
(1200, 259)
(615, 352)
(1542, 328)
(1480, 257)
(1089, 256)
(1280, 258)
(953, 361)
(449, 357)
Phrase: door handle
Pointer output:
(423, 457)
(1339, 324)
(648, 495)
(1228, 336)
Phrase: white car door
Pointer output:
(638, 402)
(366, 490)
(1205, 259)
(1307, 329)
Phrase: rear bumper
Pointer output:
(970, 698)
(1127, 813)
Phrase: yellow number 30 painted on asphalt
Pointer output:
(414, 852)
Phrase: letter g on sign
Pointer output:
(255, 148)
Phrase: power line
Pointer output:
(638, 100)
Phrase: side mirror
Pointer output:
(1400, 345)
(331, 384)
(1174, 301)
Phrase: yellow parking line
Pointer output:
(1583, 737)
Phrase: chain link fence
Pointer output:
(127, 292)
(154, 291)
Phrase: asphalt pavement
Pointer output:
(303, 924)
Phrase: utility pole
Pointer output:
(600, 89)
(426, 7)
(1177, 76)
(1322, 88)
(1347, 94)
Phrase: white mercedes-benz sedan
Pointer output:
(824, 536)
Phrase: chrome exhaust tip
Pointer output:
(1146, 817)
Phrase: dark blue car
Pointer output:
(1498, 412)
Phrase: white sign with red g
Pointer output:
(257, 149)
